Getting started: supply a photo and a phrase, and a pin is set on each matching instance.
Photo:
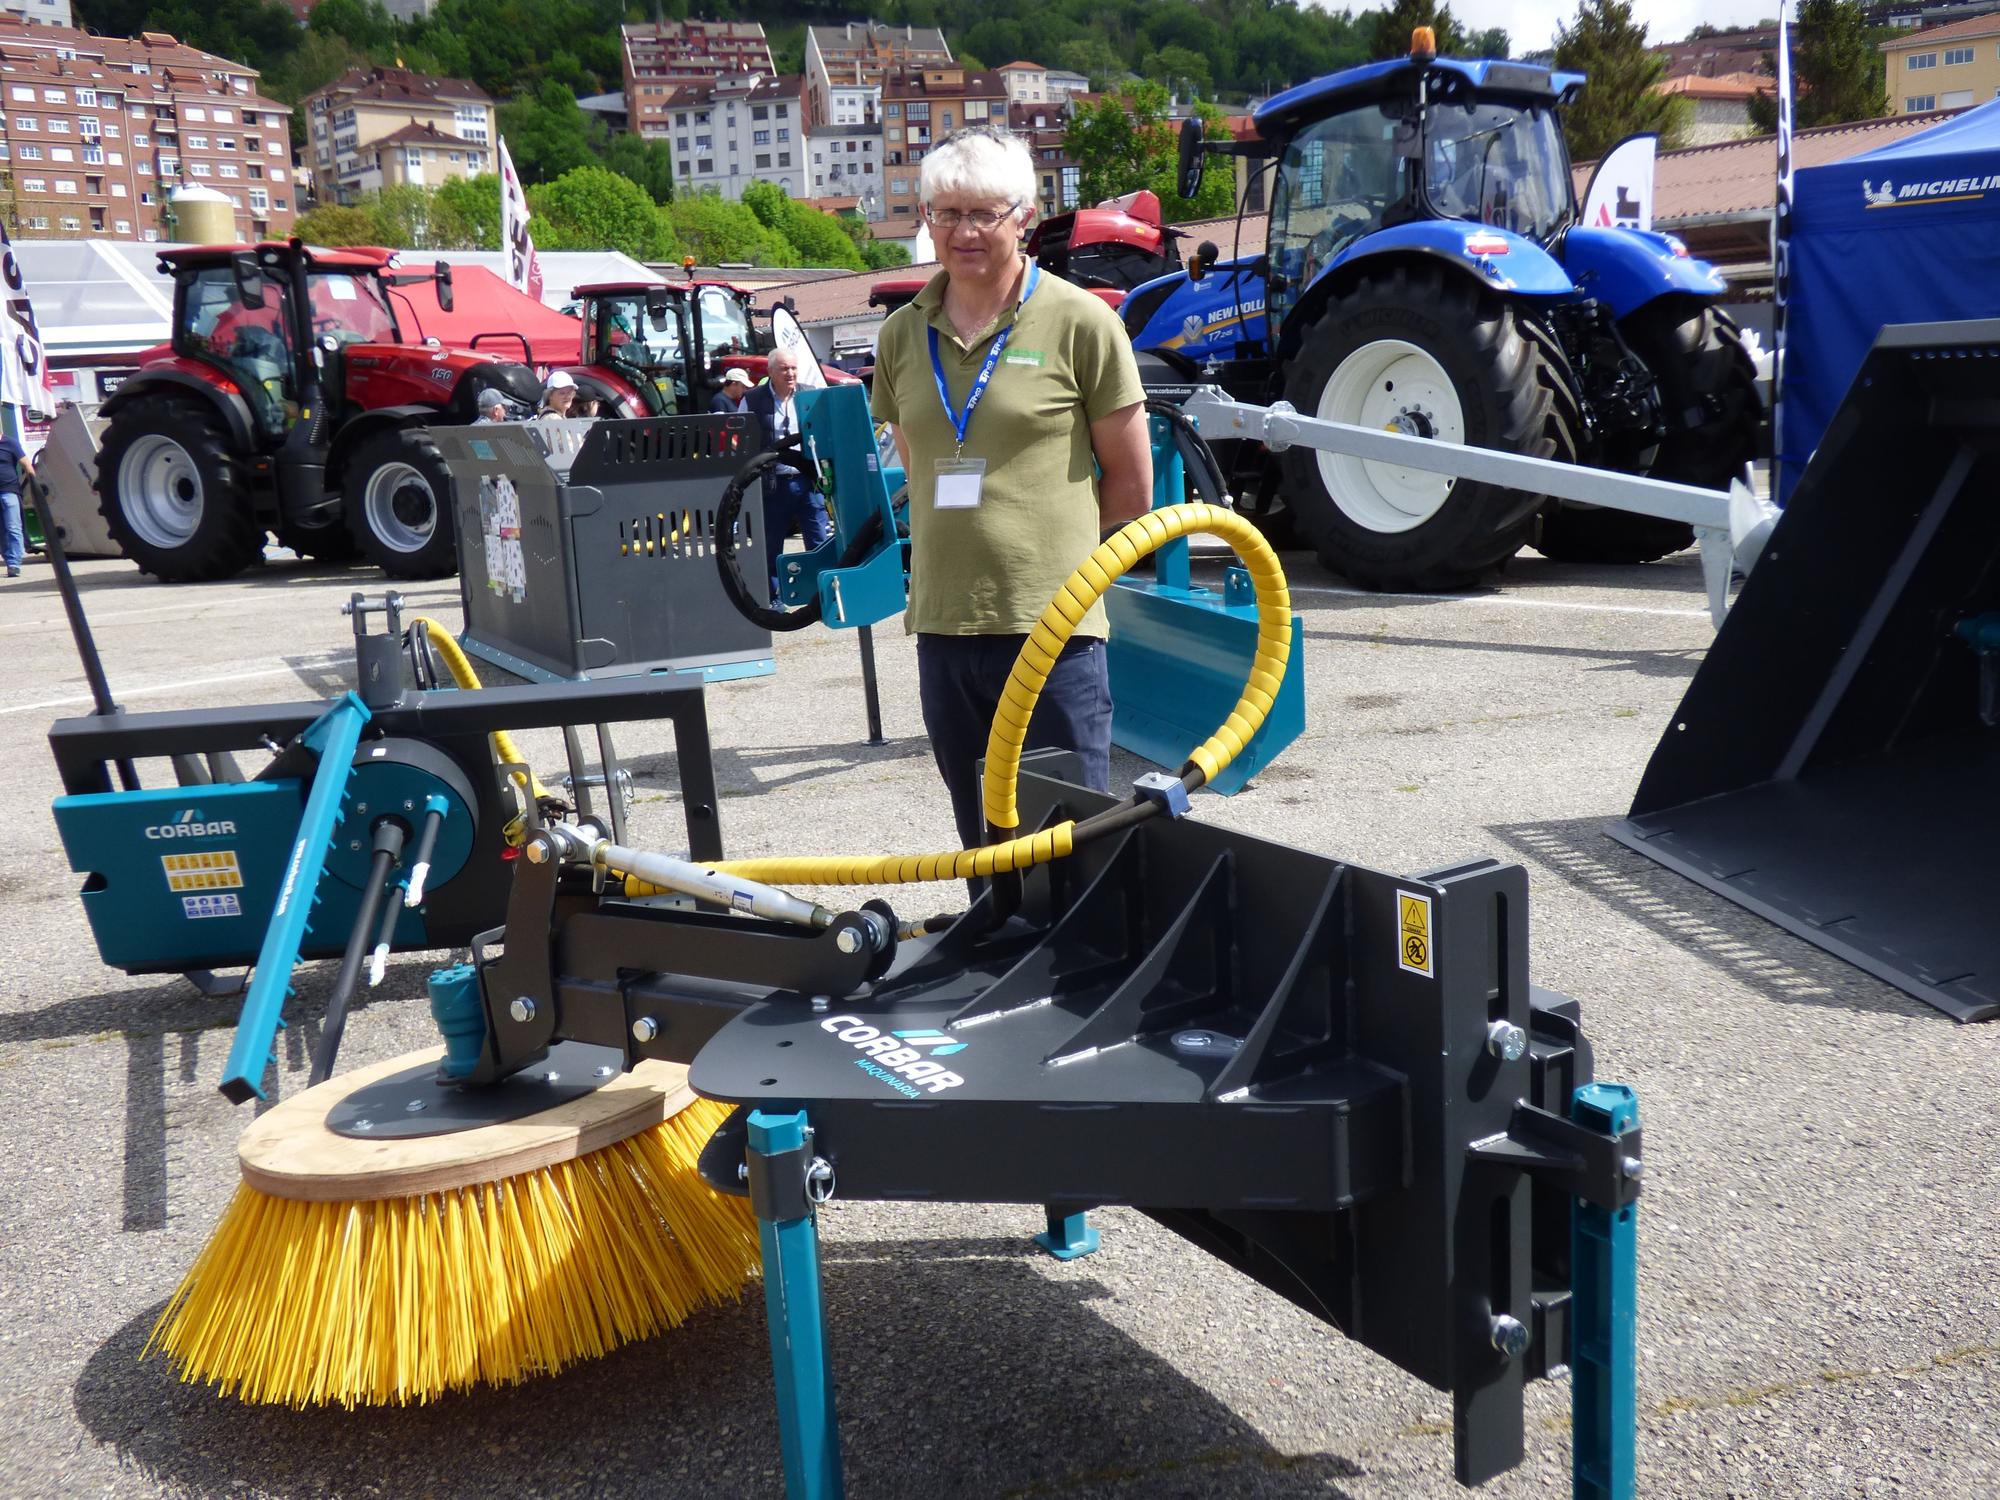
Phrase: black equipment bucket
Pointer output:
(1829, 768)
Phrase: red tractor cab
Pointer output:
(1113, 247)
(290, 400)
(653, 349)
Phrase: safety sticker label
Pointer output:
(224, 905)
(1413, 933)
(210, 870)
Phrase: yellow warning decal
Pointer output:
(211, 870)
(1413, 933)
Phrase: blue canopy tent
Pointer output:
(1909, 233)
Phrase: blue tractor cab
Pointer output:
(1424, 271)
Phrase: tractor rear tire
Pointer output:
(1708, 387)
(396, 492)
(1470, 374)
(171, 491)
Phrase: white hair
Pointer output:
(783, 357)
(981, 161)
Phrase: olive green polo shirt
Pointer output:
(991, 570)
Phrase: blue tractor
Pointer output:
(1425, 272)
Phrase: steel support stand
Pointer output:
(1069, 1235)
(871, 695)
(1604, 1280)
(779, 1162)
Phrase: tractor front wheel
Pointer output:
(396, 491)
(1429, 354)
(170, 490)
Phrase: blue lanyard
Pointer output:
(961, 422)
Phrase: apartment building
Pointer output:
(352, 119)
(39, 12)
(920, 107)
(98, 130)
(842, 61)
(847, 163)
(736, 131)
(1943, 67)
(1045, 128)
(662, 57)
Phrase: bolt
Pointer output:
(743, 1171)
(847, 940)
(822, 1002)
(536, 852)
(604, 1070)
(361, 807)
(552, 1076)
(1632, 1169)
(415, 1106)
(1510, 1336)
(408, 805)
(355, 845)
(522, 1010)
(645, 1029)
(1506, 1041)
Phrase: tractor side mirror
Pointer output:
(1188, 174)
(443, 277)
(656, 314)
(249, 279)
(1206, 254)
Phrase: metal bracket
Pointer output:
(777, 1182)
(1601, 1169)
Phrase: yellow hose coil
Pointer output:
(1112, 558)
(460, 666)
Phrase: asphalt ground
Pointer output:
(1817, 1233)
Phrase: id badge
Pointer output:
(957, 483)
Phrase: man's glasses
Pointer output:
(985, 220)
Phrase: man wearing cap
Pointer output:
(492, 407)
(558, 394)
(729, 400)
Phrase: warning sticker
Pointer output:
(1413, 933)
(211, 870)
(225, 905)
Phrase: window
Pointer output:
(687, 167)
(25, 122)
(55, 96)
(920, 111)
(143, 168)
(39, 221)
(195, 112)
(22, 92)
(784, 111)
(227, 117)
(1072, 184)
(893, 111)
(760, 138)
(279, 174)
(704, 143)
(784, 134)
(111, 131)
(1955, 99)
(199, 169)
(947, 119)
(764, 160)
(94, 154)
(140, 138)
(34, 185)
(784, 158)
(31, 153)
(197, 143)
(61, 153)
(850, 148)
(228, 169)
(707, 165)
(681, 145)
(118, 190)
(260, 200)
(1953, 56)
(760, 112)
(275, 148)
(278, 204)
(87, 98)
(71, 223)
(680, 117)
(58, 125)
(121, 226)
(1916, 104)
(414, 160)
(151, 236)
(66, 185)
(1921, 60)
(225, 143)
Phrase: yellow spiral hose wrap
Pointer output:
(460, 666)
(1112, 558)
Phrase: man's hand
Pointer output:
(1125, 454)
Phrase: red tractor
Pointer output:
(289, 400)
(654, 349)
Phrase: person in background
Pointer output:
(14, 467)
(492, 407)
(729, 400)
(789, 503)
(585, 407)
(558, 394)
(1016, 405)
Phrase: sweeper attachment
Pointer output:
(1833, 762)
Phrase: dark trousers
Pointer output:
(790, 506)
(959, 678)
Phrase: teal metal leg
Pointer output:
(333, 736)
(779, 1158)
(1604, 1301)
(1068, 1235)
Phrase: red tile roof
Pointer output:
(425, 134)
(1986, 25)
(1724, 86)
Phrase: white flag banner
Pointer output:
(787, 334)
(922, 251)
(1621, 189)
(24, 366)
(524, 268)
(1781, 258)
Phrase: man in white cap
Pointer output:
(558, 394)
(729, 400)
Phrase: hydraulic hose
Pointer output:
(460, 666)
(1113, 557)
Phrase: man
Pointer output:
(492, 407)
(558, 394)
(789, 504)
(1016, 405)
(14, 466)
(729, 400)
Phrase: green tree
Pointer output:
(1608, 47)
(1492, 42)
(816, 237)
(1837, 73)
(339, 224)
(715, 231)
(650, 163)
(883, 255)
(1093, 57)
(475, 203)
(1125, 141)
(1389, 34)
(359, 23)
(591, 208)
(413, 217)
(1174, 65)
(546, 134)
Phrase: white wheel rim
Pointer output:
(1397, 387)
(402, 512)
(159, 489)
